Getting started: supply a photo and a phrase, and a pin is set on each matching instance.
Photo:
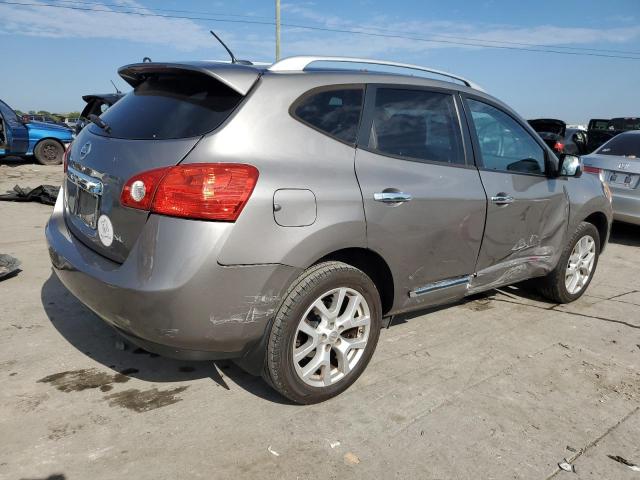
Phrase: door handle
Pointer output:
(502, 199)
(392, 197)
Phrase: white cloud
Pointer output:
(42, 21)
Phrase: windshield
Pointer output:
(169, 106)
(625, 144)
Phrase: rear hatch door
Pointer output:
(156, 125)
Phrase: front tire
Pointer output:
(324, 333)
(49, 152)
(575, 269)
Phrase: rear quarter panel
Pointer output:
(38, 132)
(288, 155)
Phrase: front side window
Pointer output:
(416, 124)
(504, 144)
(335, 112)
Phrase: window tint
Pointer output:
(416, 124)
(335, 112)
(625, 144)
(170, 105)
(504, 143)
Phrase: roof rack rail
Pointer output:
(300, 63)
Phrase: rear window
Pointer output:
(170, 105)
(627, 145)
(334, 111)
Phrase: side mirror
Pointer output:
(570, 166)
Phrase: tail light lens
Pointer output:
(65, 158)
(558, 147)
(588, 169)
(208, 191)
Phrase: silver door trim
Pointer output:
(392, 197)
(431, 287)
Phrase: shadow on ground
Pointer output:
(17, 161)
(625, 234)
(89, 334)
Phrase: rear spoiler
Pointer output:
(237, 77)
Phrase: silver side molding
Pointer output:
(432, 287)
(300, 63)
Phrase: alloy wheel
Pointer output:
(580, 265)
(331, 337)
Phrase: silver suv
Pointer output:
(279, 216)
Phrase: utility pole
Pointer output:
(277, 30)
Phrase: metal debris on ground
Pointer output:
(625, 462)
(9, 266)
(272, 451)
(334, 444)
(46, 194)
(566, 466)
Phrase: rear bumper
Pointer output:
(171, 296)
(626, 208)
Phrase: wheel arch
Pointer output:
(599, 220)
(372, 264)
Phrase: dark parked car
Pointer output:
(276, 215)
(44, 119)
(97, 104)
(559, 138)
(601, 131)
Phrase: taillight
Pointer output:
(209, 191)
(558, 147)
(588, 169)
(65, 158)
(139, 190)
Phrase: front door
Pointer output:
(527, 209)
(423, 200)
(15, 132)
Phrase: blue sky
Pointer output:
(52, 56)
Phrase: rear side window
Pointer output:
(416, 124)
(335, 111)
(170, 105)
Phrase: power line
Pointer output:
(195, 12)
(323, 29)
(359, 29)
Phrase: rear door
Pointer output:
(527, 210)
(16, 133)
(423, 200)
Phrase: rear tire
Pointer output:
(324, 333)
(49, 152)
(576, 267)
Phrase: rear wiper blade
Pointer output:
(99, 122)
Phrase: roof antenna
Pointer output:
(233, 58)
(114, 86)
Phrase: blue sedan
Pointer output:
(46, 141)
